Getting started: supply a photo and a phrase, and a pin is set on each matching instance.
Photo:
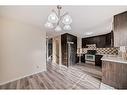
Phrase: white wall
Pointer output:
(22, 50)
(79, 42)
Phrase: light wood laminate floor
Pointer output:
(90, 69)
(58, 77)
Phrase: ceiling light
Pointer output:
(89, 33)
(56, 20)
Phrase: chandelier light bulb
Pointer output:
(67, 19)
(49, 25)
(58, 28)
(53, 18)
(67, 27)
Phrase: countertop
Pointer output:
(86, 53)
(114, 58)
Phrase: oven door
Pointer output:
(89, 57)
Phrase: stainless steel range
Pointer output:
(90, 56)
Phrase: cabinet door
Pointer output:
(120, 29)
(109, 73)
(101, 41)
(114, 74)
(109, 40)
(98, 61)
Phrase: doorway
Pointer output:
(49, 50)
(57, 51)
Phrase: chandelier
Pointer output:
(58, 21)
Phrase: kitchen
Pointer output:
(97, 42)
(109, 52)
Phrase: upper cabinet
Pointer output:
(101, 41)
(120, 29)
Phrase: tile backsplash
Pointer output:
(111, 51)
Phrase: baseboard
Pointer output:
(20, 78)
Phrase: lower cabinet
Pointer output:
(82, 58)
(98, 61)
(77, 58)
(114, 74)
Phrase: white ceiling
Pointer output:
(95, 19)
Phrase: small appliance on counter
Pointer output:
(123, 52)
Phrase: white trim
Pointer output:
(20, 77)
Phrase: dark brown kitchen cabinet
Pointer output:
(120, 29)
(80, 58)
(83, 58)
(77, 58)
(114, 74)
(101, 41)
(66, 51)
(98, 61)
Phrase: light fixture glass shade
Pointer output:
(67, 27)
(58, 28)
(49, 25)
(67, 19)
(53, 18)
(88, 33)
(57, 21)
